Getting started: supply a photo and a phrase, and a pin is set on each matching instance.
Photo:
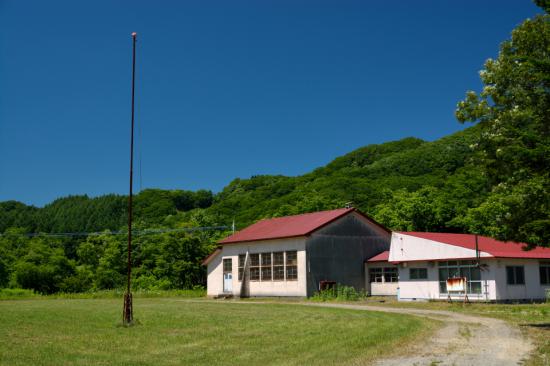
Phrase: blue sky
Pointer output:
(227, 89)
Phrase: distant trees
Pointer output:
(81, 262)
(160, 261)
(109, 212)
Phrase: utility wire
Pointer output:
(124, 232)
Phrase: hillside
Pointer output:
(408, 184)
(369, 177)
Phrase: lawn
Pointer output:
(174, 331)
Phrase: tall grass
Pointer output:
(339, 293)
(14, 294)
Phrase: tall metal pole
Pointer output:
(128, 313)
(477, 252)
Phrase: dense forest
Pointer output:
(492, 178)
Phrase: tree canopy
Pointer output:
(513, 111)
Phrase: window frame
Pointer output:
(266, 266)
(392, 273)
(254, 267)
(241, 259)
(418, 271)
(544, 267)
(457, 268)
(291, 265)
(514, 281)
(376, 275)
(278, 268)
(230, 261)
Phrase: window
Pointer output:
(418, 273)
(376, 275)
(227, 265)
(291, 266)
(278, 266)
(544, 269)
(266, 266)
(390, 274)
(453, 269)
(515, 275)
(254, 267)
(242, 258)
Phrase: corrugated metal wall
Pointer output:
(338, 251)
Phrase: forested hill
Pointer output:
(408, 184)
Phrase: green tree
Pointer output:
(111, 269)
(513, 110)
(44, 267)
(411, 211)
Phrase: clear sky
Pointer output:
(227, 89)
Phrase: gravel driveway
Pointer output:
(463, 340)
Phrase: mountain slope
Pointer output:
(368, 177)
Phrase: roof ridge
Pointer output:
(288, 226)
(309, 213)
(469, 234)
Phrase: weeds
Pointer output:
(340, 293)
(15, 294)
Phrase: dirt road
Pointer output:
(463, 340)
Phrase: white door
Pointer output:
(227, 275)
(227, 282)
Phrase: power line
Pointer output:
(124, 232)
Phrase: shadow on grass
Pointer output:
(537, 325)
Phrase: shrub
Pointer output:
(16, 293)
(340, 293)
(151, 283)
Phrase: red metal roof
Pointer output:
(286, 227)
(496, 248)
(382, 257)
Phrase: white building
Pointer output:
(295, 255)
(494, 270)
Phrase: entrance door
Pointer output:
(227, 282)
(227, 275)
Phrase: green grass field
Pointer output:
(174, 331)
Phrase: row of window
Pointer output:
(275, 266)
(515, 275)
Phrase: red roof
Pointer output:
(286, 227)
(496, 248)
(211, 256)
(382, 257)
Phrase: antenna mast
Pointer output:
(128, 312)
(477, 251)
